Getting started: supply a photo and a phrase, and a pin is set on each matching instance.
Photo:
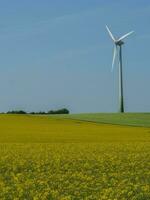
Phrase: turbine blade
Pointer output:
(114, 57)
(126, 35)
(111, 35)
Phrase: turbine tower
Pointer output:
(118, 51)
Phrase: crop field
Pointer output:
(130, 119)
(55, 158)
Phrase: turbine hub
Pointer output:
(119, 43)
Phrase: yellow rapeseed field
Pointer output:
(45, 157)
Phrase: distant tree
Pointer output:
(32, 113)
(38, 113)
(16, 112)
(60, 111)
(41, 113)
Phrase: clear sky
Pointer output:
(57, 54)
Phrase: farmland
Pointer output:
(130, 119)
(44, 157)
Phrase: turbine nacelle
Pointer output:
(119, 43)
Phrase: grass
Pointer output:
(130, 119)
(54, 158)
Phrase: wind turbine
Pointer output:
(118, 50)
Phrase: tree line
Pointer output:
(50, 112)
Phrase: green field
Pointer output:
(55, 158)
(130, 119)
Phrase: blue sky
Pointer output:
(57, 54)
